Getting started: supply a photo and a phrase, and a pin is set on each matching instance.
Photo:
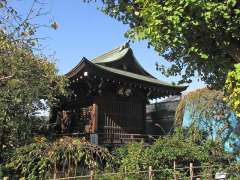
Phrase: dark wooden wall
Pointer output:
(118, 116)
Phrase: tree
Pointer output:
(195, 36)
(28, 81)
(232, 88)
(207, 110)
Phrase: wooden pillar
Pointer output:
(94, 118)
(144, 119)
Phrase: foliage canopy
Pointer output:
(194, 35)
(28, 82)
(207, 110)
(232, 88)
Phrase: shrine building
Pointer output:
(110, 94)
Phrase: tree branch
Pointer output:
(5, 78)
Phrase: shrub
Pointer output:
(62, 157)
(183, 148)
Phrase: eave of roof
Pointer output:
(77, 68)
(139, 77)
(115, 55)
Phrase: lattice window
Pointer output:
(119, 118)
(113, 133)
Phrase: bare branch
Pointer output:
(5, 78)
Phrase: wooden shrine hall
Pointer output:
(110, 93)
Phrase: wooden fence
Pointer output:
(155, 174)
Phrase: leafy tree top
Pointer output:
(195, 35)
(28, 82)
(207, 110)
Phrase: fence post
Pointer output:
(91, 175)
(55, 171)
(191, 170)
(174, 170)
(150, 172)
(125, 171)
(131, 137)
(54, 175)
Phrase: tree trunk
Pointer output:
(234, 51)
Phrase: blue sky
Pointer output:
(86, 31)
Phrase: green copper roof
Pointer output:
(119, 54)
(137, 76)
(113, 55)
(104, 62)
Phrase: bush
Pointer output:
(179, 147)
(62, 157)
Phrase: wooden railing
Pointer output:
(119, 138)
(116, 138)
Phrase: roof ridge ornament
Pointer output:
(126, 45)
(84, 58)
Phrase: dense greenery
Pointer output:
(60, 158)
(207, 110)
(181, 147)
(232, 89)
(67, 157)
(29, 82)
(203, 103)
(33, 85)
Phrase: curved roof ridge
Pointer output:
(76, 68)
(119, 52)
(141, 67)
